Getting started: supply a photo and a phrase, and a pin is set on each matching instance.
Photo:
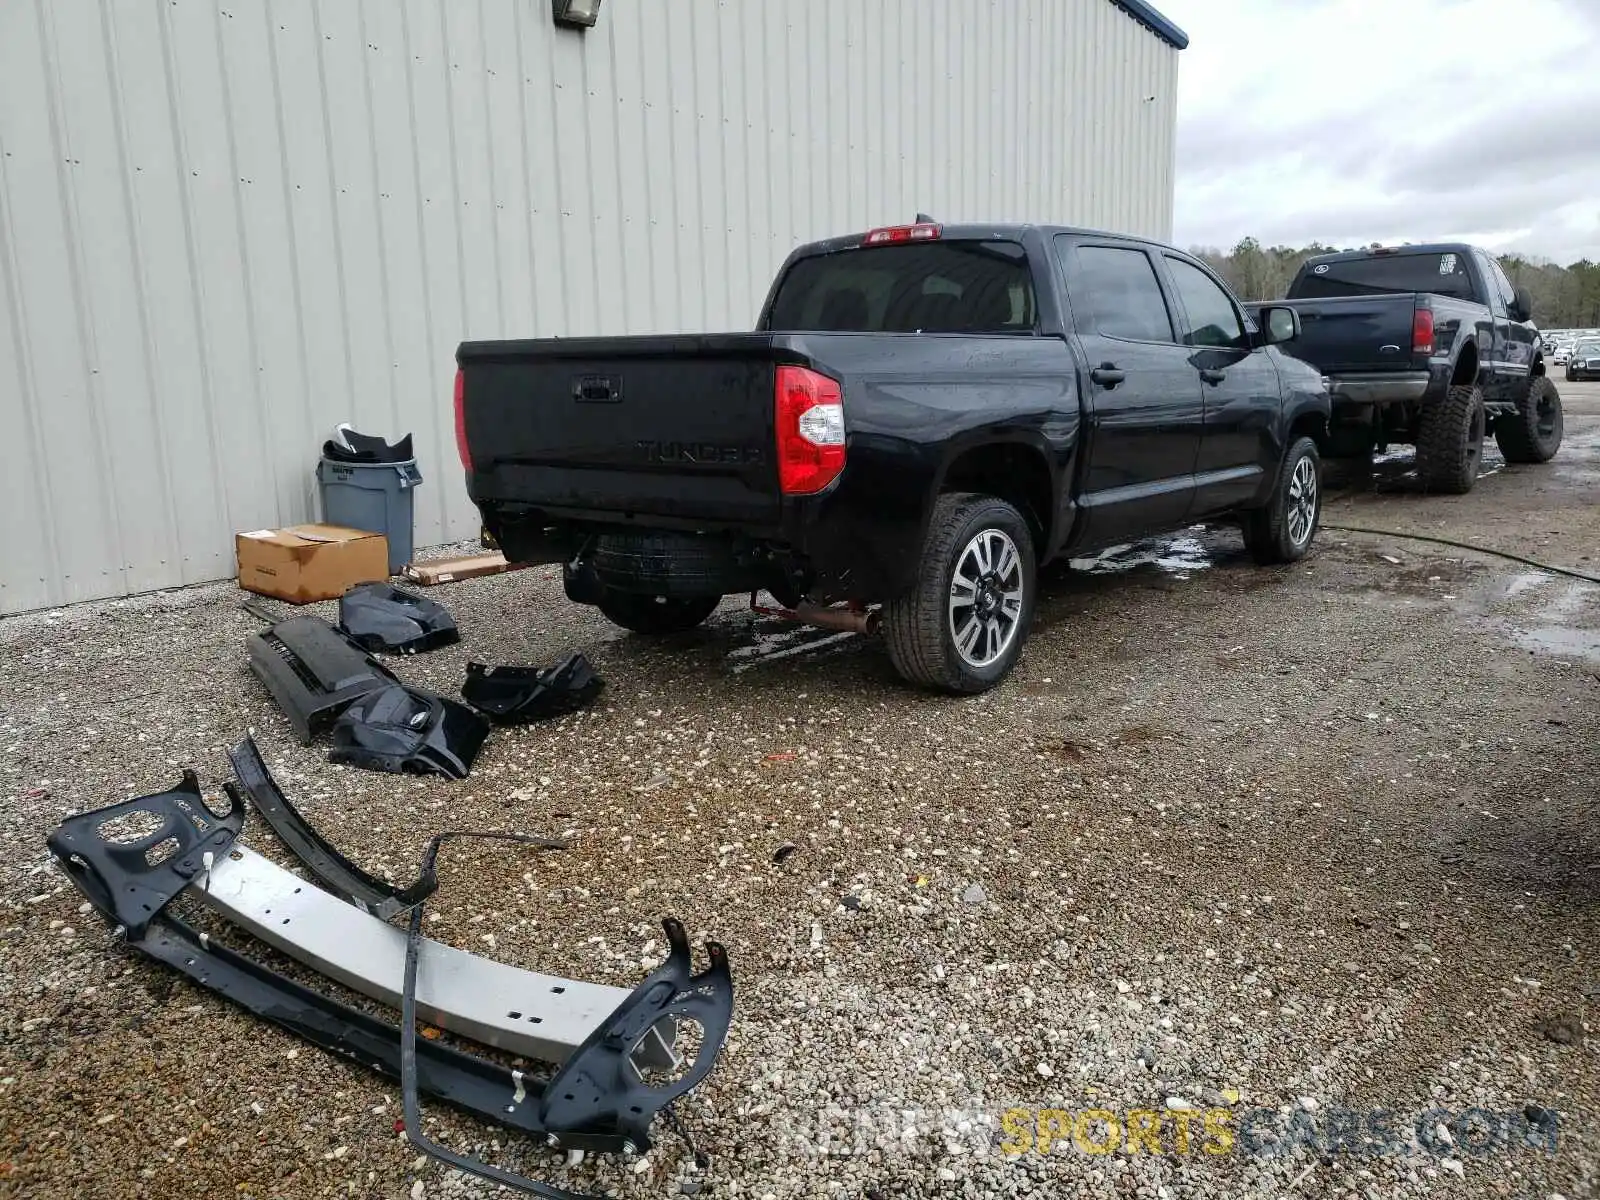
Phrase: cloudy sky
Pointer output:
(1353, 121)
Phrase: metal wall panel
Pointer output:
(225, 227)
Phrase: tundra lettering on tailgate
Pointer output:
(699, 453)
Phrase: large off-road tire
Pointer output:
(1532, 434)
(1282, 530)
(962, 626)
(655, 614)
(1450, 441)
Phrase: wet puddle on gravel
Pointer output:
(1396, 470)
(1558, 617)
(790, 642)
(1180, 555)
(1561, 642)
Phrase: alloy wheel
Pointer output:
(985, 609)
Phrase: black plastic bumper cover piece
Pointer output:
(597, 1092)
(389, 620)
(353, 447)
(596, 1101)
(341, 876)
(513, 695)
(313, 671)
(403, 729)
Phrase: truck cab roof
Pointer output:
(986, 231)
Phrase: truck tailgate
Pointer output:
(1355, 333)
(677, 427)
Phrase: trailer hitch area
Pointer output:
(130, 859)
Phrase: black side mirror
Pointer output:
(1279, 323)
(1521, 305)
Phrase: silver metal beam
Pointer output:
(522, 1012)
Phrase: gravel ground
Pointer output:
(1281, 843)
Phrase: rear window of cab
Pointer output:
(957, 286)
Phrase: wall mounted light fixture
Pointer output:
(576, 14)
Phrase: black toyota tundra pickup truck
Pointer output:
(1428, 345)
(922, 417)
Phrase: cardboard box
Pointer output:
(310, 562)
(448, 570)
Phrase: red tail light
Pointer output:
(461, 422)
(902, 233)
(810, 424)
(1422, 331)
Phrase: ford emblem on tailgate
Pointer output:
(699, 453)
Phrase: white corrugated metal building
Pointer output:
(226, 225)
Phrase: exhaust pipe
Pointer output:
(846, 620)
(822, 616)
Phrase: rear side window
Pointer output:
(1115, 293)
(1444, 273)
(930, 287)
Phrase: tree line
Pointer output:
(1563, 297)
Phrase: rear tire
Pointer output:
(1450, 441)
(1282, 531)
(655, 614)
(1532, 434)
(961, 627)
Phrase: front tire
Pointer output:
(961, 628)
(1532, 434)
(1450, 441)
(1282, 531)
(655, 615)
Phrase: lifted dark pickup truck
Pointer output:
(924, 415)
(1429, 345)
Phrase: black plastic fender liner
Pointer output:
(341, 876)
(404, 729)
(129, 881)
(514, 695)
(597, 1090)
(313, 671)
(385, 619)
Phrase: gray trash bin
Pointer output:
(376, 497)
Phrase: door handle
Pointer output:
(1212, 377)
(1107, 375)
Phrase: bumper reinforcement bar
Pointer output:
(612, 1045)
